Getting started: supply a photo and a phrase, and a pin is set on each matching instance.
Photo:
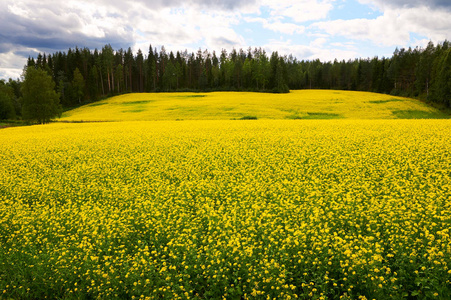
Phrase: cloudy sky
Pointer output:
(308, 29)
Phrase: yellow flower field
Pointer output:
(303, 104)
(212, 209)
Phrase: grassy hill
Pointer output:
(303, 104)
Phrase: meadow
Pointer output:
(213, 209)
(302, 104)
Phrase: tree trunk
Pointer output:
(109, 82)
(112, 79)
(101, 80)
(130, 76)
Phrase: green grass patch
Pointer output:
(97, 104)
(136, 102)
(183, 108)
(297, 115)
(321, 115)
(138, 110)
(13, 123)
(385, 101)
(189, 96)
(191, 108)
(294, 117)
(418, 114)
(248, 118)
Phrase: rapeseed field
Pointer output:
(222, 209)
(302, 104)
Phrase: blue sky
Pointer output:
(307, 29)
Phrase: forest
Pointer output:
(82, 75)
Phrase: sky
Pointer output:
(307, 29)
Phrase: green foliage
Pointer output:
(78, 84)
(6, 107)
(6, 102)
(40, 100)
(441, 85)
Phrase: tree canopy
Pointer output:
(40, 101)
(7, 110)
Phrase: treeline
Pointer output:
(82, 75)
(10, 99)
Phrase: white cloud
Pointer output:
(318, 43)
(17, 10)
(310, 52)
(277, 26)
(384, 4)
(393, 28)
(300, 10)
(11, 65)
(178, 29)
(383, 31)
(434, 24)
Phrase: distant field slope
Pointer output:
(303, 104)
